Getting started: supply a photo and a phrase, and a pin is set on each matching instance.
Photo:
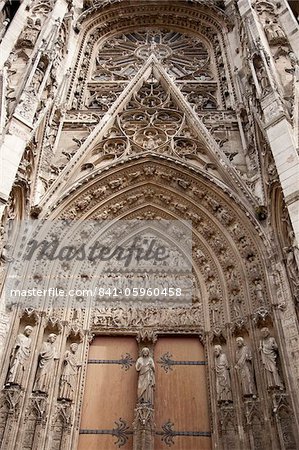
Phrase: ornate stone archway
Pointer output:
(150, 129)
(229, 265)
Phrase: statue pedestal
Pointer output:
(144, 427)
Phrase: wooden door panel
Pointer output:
(101, 442)
(110, 394)
(181, 394)
(181, 401)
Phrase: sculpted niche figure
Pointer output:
(29, 34)
(269, 353)
(263, 79)
(46, 365)
(244, 367)
(258, 290)
(292, 263)
(68, 377)
(223, 387)
(19, 356)
(274, 32)
(146, 380)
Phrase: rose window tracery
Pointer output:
(186, 59)
(122, 56)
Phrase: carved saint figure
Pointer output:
(37, 80)
(269, 352)
(150, 143)
(223, 387)
(263, 79)
(244, 367)
(146, 380)
(46, 365)
(295, 65)
(258, 290)
(237, 305)
(30, 32)
(274, 32)
(69, 374)
(19, 356)
(292, 257)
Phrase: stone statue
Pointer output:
(29, 34)
(68, 377)
(3, 27)
(37, 80)
(146, 380)
(269, 30)
(150, 143)
(295, 65)
(20, 354)
(244, 367)
(46, 365)
(223, 387)
(292, 259)
(258, 290)
(237, 303)
(274, 32)
(269, 352)
(263, 79)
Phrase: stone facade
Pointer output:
(156, 109)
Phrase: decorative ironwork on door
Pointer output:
(167, 363)
(121, 431)
(168, 433)
(126, 361)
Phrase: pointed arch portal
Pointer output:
(149, 132)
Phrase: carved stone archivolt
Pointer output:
(207, 272)
(164, 204)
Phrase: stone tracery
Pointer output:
(183, 57)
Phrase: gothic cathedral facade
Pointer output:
(184, 110)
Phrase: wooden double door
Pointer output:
(181, 400)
